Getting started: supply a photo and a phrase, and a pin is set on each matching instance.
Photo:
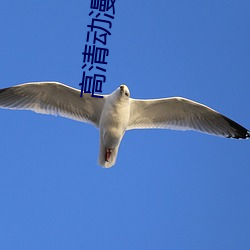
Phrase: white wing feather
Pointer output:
(53, 98)
(182, 114)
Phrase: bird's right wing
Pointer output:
(182, 114)
(53, 98)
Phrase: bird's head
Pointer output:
(121, 93)
(124, 91)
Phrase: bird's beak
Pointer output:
(122, 88)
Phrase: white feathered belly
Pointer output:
(113, 125)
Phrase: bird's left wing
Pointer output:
(182, 114)
(53, 98)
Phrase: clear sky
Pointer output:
(168, 189)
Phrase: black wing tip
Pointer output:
(239, 131)
(3, 90)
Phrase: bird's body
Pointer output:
(113, 124)
(116, 113)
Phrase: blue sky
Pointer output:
(169, 189)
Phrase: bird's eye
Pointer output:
(126, 93)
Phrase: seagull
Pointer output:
(116, 113)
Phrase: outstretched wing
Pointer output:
(182, 114)
(53, 98)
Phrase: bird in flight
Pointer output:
(116, 113)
